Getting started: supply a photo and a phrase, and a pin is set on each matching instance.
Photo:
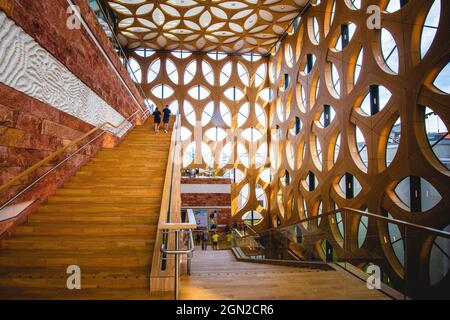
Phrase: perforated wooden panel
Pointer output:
(387, 95)
(229, 26)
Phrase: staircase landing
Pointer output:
(217, 275)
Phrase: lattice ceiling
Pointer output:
(204, 25)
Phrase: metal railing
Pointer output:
(413, 260)
(177, 252)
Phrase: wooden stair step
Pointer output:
(120, 191)
(105, 217)
(104, 199)
(98, 262)
(85, 229)
(76, 243)
(88, 281)
(90, 207)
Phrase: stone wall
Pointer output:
(209, 200)
(32, 125)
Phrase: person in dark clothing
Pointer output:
(166, 118)
(205, 240)
(157, 119)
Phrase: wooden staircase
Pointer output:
(104, 220)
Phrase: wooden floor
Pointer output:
(103, 220)
(217, 275)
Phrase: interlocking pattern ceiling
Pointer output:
(204, 25)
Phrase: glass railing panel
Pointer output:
(402, 259)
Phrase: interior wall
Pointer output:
(411, 89)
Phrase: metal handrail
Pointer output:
(363, 213)
(177, 252)
(53, 155)
(190, 249)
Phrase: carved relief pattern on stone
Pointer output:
(29, 68)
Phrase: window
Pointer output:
(243, 74)
(260, 75)
(315, 31)
(389, 50)
(145, 53)
(289, 55)
(190, 72)
(353, 4)
(439, 258)
(349, 186)
(261, 155)
(301, 98)
(260, 115)
(327, 116)
(358, 66)
(185, 133)
(174, 107)
(336, 82)
(172, 71)
(429, 28)
(189, 113)
(377, 98)
(153, 71)
(282, 111)
(362, 230)
(134, 69)
(243, 155)
(162, 91)
(234, 94)
(347, 33)
(149, 104)
(317, 151)
(261, 196)
(393, 6)
(189, 155)
(290, 155)
(266, 94)
(208, 72)
(216, 134)
(207, 114)
(396, 241)
(226, 154)
(217, 55)
(393, 142)
(252, 218)
(252, 57)
(266, 176)
(251, 134)
(207, 155)
(438, 137)
(361, 147)
(199, 92)
(310, 61)
(225, 73)
(417, 194)
(337, 148)
(310, 182)
(243, 114)
(442, 81)
(243, 197)
(225, 113)
(181, 54)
